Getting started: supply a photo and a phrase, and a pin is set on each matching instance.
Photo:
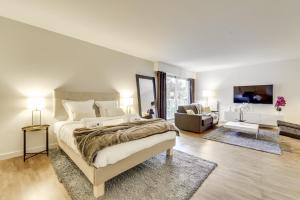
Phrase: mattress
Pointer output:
(112, 154)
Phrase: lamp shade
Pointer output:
(35, 103)
(207, 93)
(127, 101)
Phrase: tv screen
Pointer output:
(257, 94)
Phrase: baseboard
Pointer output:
(14, 154)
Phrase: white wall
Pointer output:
(173, 70)
(35, 62)
(284, 75)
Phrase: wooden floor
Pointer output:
(241, 173)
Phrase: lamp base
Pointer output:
(128, 110)
(36, 118)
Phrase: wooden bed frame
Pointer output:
(98, 176)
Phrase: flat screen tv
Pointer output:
(256, 94)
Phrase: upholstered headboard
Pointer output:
(58, 96)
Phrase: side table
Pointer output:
(35, 128)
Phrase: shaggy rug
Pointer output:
(160, 177)
(266, 142)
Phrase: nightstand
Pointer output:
(35, 128)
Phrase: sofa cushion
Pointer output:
(184, 108)
(181, 109)
(198, 108)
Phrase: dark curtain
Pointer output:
(161, 94)
(192, 90)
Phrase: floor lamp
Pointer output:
(206, 94)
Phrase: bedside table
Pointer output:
(35, 128)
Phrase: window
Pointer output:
(177, 94)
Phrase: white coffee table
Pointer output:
(243, 127)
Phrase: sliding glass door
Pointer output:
(171, 97)
(177, 94)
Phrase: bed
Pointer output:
(112, 160)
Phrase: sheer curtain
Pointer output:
(178, 93)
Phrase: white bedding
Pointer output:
(112, 154)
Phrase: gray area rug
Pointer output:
(266, 142)
(161, 177)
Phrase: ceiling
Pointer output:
(197, 35)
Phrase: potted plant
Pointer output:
(280, 102)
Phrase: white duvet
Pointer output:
(112, 154)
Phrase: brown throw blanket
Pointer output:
(90, 141)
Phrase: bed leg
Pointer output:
(170, 152)
(98, 190)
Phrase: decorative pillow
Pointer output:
(79, 109)
(198, 107)
(190, 112)
(77, 116)
(103, 105)
(69, 113)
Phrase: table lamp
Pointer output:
(36, 104)
(207, 94)
(127, 102)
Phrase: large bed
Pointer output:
(112, 160)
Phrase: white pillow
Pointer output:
(79, 109)
(190, 112)
(104, 105)
(69, 113)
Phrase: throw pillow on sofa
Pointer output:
(198, 107)
(190, 112)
